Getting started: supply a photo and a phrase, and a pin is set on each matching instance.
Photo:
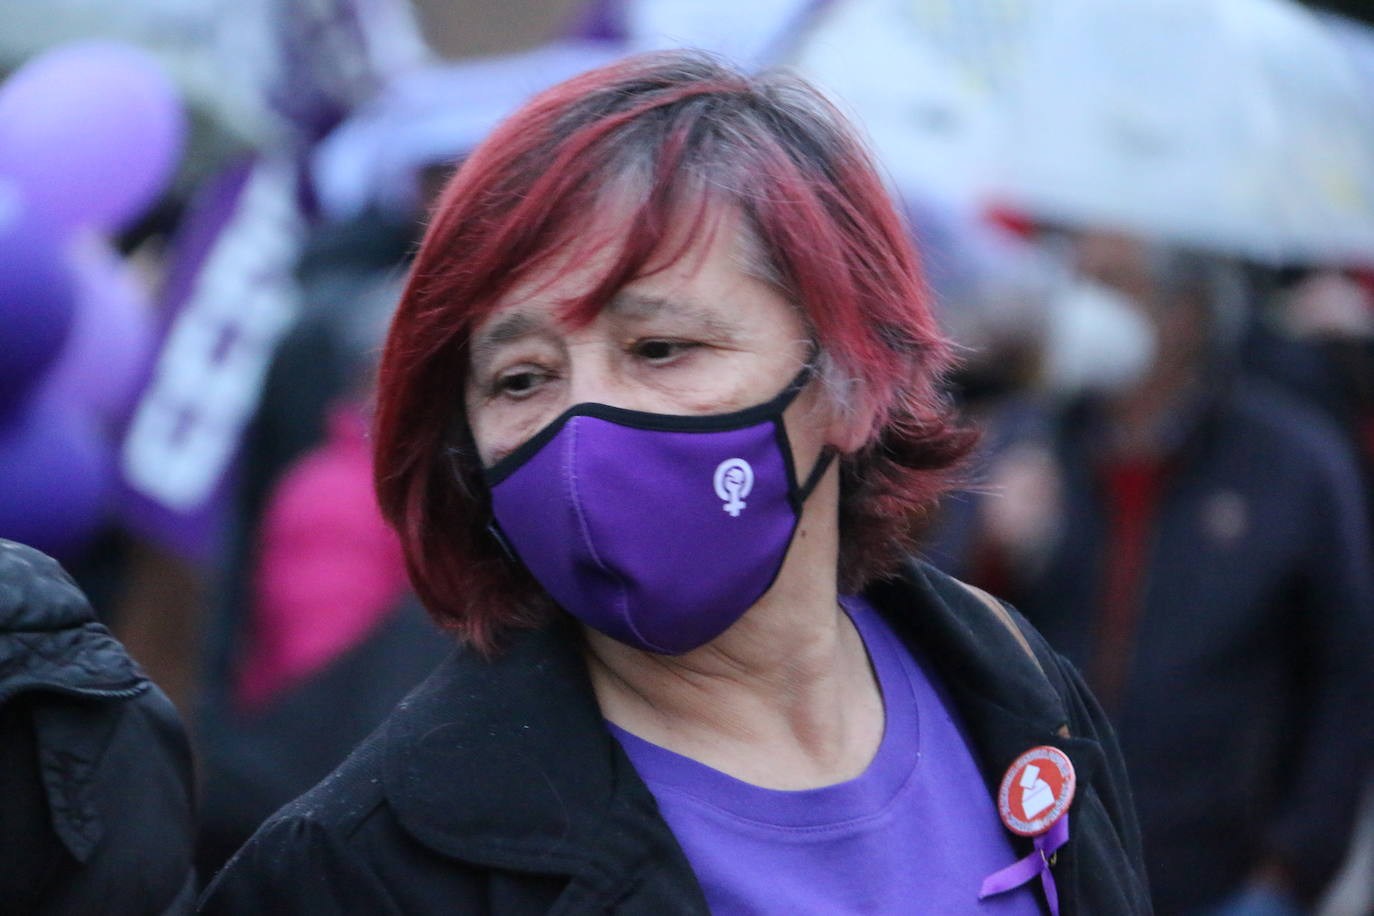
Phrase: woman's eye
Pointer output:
(519, 384)
(661, 351)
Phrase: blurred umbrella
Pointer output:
(1238, 125)
(1233, 125)
(1358, 41)
(55, 471)
(926, 79)
(433, 116)
(91, 132)
(751, 35)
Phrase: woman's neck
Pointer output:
(784, 699)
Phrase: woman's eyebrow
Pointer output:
(521, 324)
(639, 305)
(511, 328)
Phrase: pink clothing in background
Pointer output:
(327, 568)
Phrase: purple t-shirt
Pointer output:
(916, 832)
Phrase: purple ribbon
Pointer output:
(1037, 863)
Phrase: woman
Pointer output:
(656, 411)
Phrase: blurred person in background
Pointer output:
(232, 293)
(1197, 543)
(318, 635)
(1315, 337)
(683, 293)
(96, 796)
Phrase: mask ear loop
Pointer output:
(828, 453)
(823, 461)
(499, 537)
(452, 453)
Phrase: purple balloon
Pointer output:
(55, 474)
(108, 351)
(37, 296)
(91, 131)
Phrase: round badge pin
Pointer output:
(1037, 791)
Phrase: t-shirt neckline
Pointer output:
(867, 795)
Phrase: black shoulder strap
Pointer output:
(1001, 614)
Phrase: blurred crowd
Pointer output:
(1148, 225)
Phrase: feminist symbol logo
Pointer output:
(734, 480)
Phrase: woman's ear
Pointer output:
(850, 429)
(850, 416)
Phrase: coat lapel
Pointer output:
(507, 764)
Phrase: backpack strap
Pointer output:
(1003, 616)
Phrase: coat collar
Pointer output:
(507, 763)
(49, 637)
(50, 641)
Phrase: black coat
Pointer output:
(496, 788)
(95, 770)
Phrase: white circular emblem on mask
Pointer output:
(734, 480)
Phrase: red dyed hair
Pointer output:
(670, 133)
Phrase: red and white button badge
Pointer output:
(1037, 791)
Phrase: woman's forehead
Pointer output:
(521, 316)
(698, 277)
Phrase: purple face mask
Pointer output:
(660, 531)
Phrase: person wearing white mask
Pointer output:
(1196, 542)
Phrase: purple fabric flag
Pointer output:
(230, 295)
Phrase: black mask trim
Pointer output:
(639, 419)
